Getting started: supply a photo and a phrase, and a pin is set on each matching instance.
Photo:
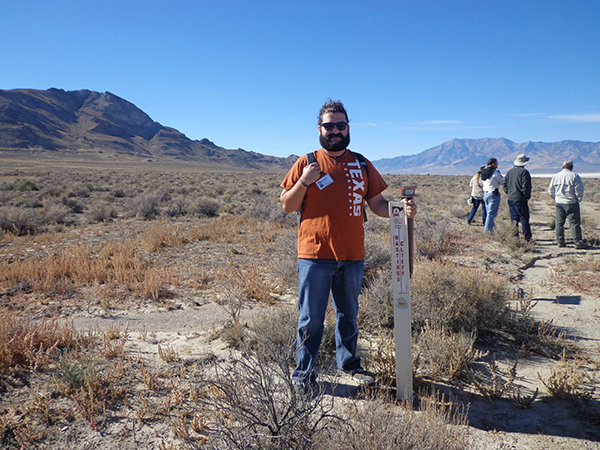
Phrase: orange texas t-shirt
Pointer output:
(331, 226)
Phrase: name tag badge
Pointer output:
(324, 181)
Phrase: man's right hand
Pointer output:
(311, 173)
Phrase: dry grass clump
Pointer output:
(569, 379)
(540, 337)
(27, 345)
(75, 376)
(379, 424)
(495, 383)
(60, 273)
(156, 237)
(578, 274)
(249, 279)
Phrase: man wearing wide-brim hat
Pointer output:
(517, 184)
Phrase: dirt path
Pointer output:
(547, 422)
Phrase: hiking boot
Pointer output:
(362, 376)
(581, 245)
(562, 244)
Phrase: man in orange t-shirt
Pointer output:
(330, 193)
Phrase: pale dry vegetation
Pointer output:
(76, 244)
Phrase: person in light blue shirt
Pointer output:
(492, 182)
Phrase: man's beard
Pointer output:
(334, 146)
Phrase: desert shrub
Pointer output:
(274, 331)
(457, 298)
(79, 190)
(26, 185)
(55, 213)
(177, 206)
(145, 206)
(20, 220)
(433, 238)
(459, 212)
(250, 278)
(29, 201)
(101, 211)
(261, 206)
(252, 403)
(73, 204)
(204, 207)
(327, 348)
(376, 311)
(276, 214)
(378, 253)
(286, 268)
(443, 355)
(587, 223)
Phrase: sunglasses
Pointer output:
(331, 125)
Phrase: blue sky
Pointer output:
(253, 74)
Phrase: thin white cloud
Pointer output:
(369, 124)
(441, 122)
(446, 128)
(577, 118)
(529, 115)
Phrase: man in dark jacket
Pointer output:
(517, 184)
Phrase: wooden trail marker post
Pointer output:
(401, 229)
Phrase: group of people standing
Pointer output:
(565, 187)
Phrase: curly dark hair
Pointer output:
(331, 106)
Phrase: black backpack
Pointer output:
(311, 158)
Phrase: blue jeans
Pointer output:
(571, 212)
(492, 204)
(476, 203)
(519, 212)
(319, 278)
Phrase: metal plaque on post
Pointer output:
(401, 269)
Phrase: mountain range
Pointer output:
(466, 156)
(103, 126)
(95, 126)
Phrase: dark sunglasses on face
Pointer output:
(330, 125)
